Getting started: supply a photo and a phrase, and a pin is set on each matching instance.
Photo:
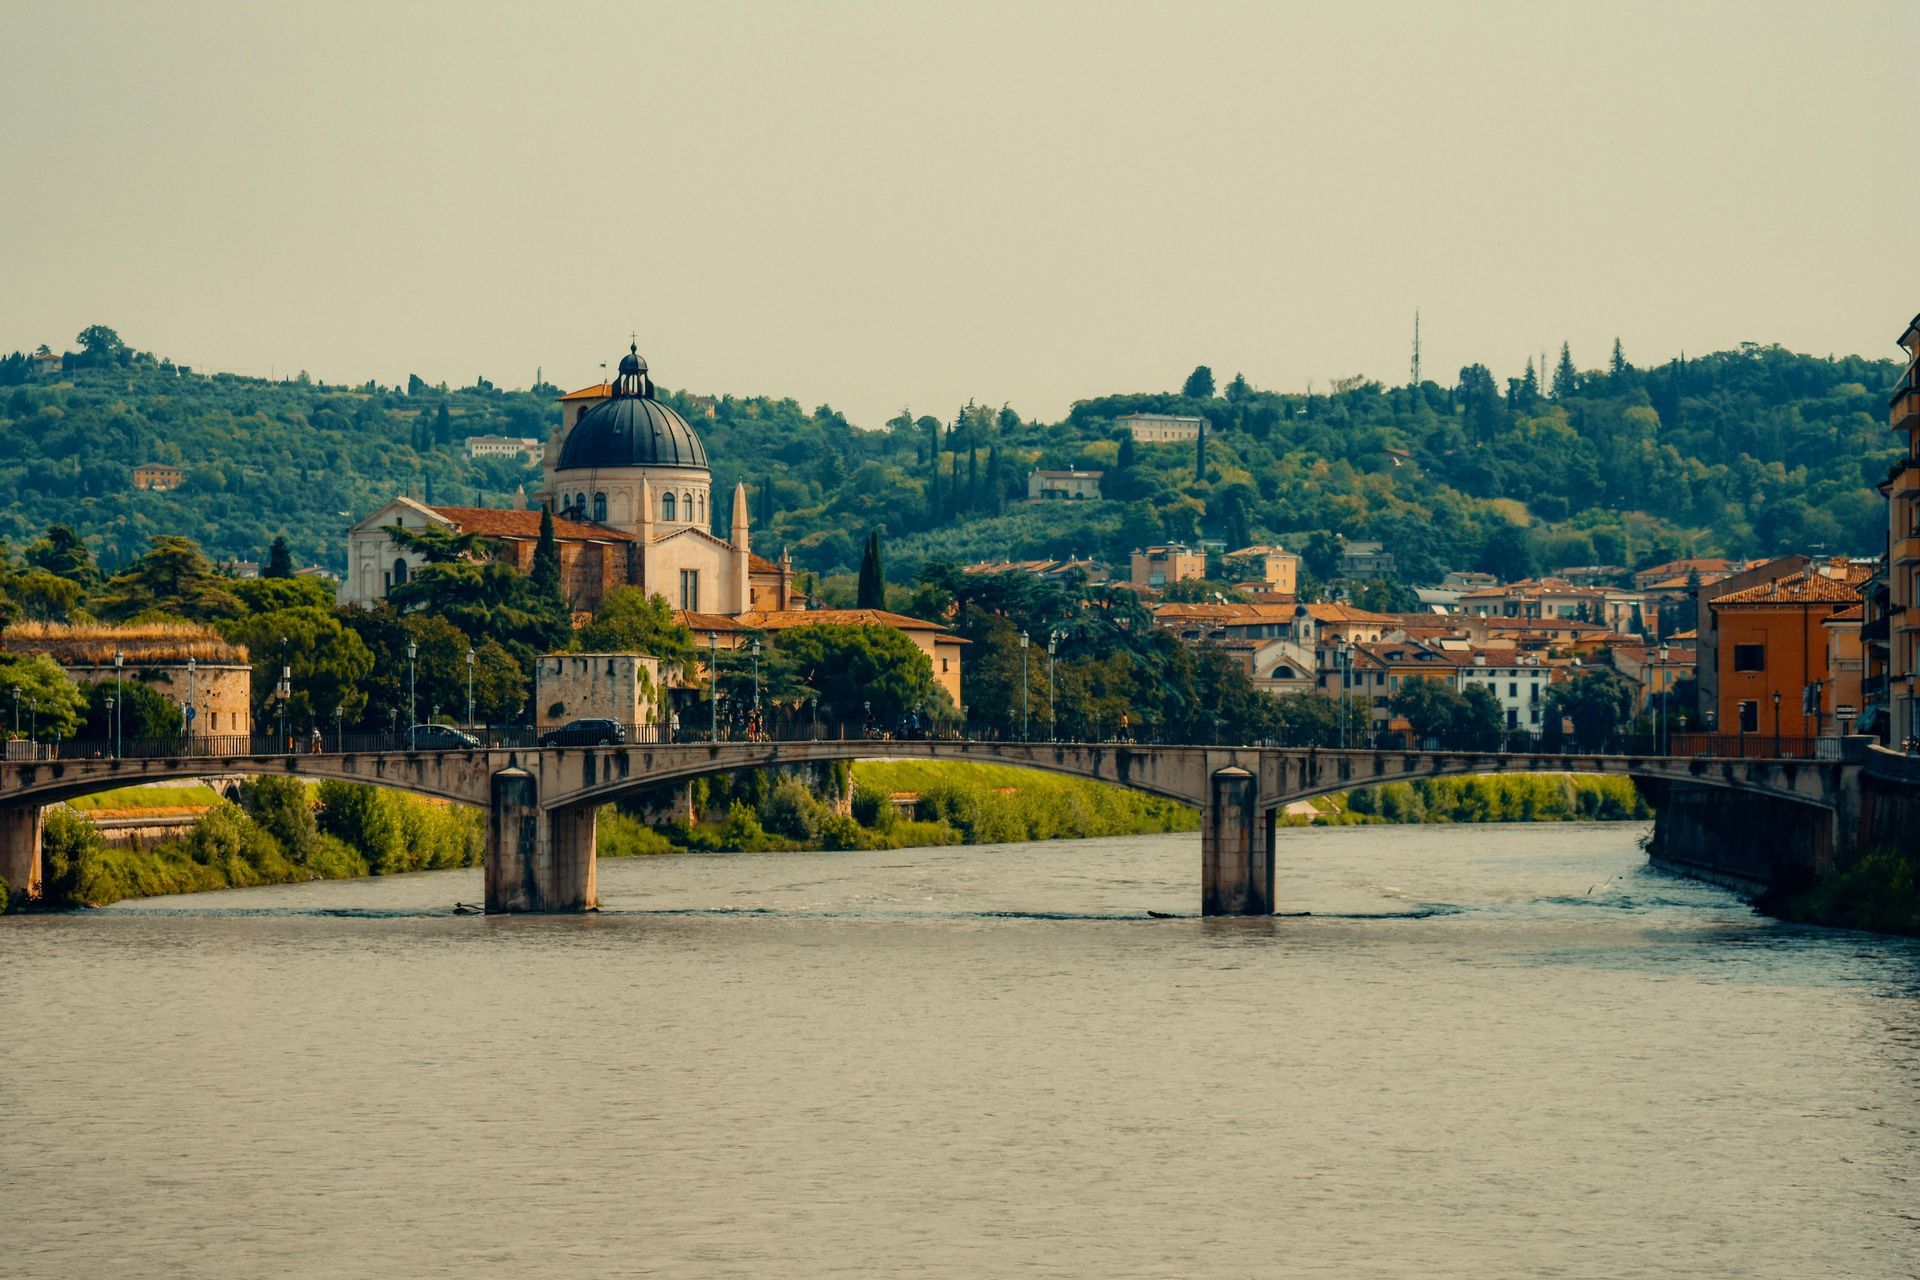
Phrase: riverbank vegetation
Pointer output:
(273, 835)
(1879, 893)
(1526, 797)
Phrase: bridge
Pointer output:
(541, 802)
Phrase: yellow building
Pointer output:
(191, 665)
(1158, 567)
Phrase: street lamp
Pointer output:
(756, 683)
(1660, 716)
(33, 719)
(1053, 728)
(111, 702)
(1023, 686)
(192, 705)
(16, 711)
(713, 686)
(1776, 724)
(286, 694)
(1342, 663)
(413, 651)
(118, 659)
(339, 710)
(469, 686)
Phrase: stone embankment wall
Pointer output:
(1748, 843)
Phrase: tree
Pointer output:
(1597, 701)
(1480, 403)
(270, 595)
(499, 684)
(1238, 392)
(63, 553)
(1199, 384)
(1510, 553)
(488, 598)
(873, 580)
(144, 712)
(329, 662)
(279, 560)
(1322, 553)
(50, 703)
(437, 544)
(1566, 378)
(630, 620)
(851, 667)
(442, 425)
(172, 579)
(101, 345)
(546, 559)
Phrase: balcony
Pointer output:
(1903, 414)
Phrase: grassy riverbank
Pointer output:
(1525, 797)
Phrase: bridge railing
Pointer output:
(444, 738)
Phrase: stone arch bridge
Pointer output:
(541, 802)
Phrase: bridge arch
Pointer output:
(53, 781)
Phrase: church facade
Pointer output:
(631, 492)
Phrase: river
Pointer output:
(1490, 1051)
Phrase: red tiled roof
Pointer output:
(598, 391)
(499, 522)
(1802, 590)
(782, 619)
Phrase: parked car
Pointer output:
(585, 733)
(441, 737)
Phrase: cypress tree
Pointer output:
(546, 557)
(933, 487)
(996, 486)
(443, 425)
(279, 560)
(973, 476)
(1200, 451)
(873, 580)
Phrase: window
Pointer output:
(1749, 716)
(1750, 657)
(600, 508)
(399, 578)
(686, 506)
(666, 506)
(1513, 688)
(579, 505)
(689, 585)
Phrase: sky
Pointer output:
(884, 205)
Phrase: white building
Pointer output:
(1160, 428)
(1052, 486)
(1517, 680)
(503, 446)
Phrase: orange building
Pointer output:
(1773, 651)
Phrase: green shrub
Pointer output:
(792, 811)
(621, 835)
(279, 805)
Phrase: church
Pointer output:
(628, 483)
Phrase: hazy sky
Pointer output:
(883, 204)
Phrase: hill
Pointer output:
(1742, 452)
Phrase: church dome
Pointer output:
(631, 429)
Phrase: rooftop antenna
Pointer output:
(1416, 346)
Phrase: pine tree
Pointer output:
(1566, 378)
(1530, 384)
(546, 558)
(873, 581)
(973, 476)
(279, 560)
(996, 486)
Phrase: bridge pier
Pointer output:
(20, 864)
(537, 860)
(1236, 847)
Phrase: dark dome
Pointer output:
(632, 429)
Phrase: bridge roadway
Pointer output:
(541, 802)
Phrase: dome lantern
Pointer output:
(631, 428)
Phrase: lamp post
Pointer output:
(112, 707)
(413, 651)
(192, 705)
(1023, 686)
(1660, 716)
(469, 686)
(1342, 664)
(286, 694)
(713, 686)
(1776, 724)
(339, 742)
(33, 719)
(1053, 727)
(16, 711)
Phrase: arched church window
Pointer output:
(579, 505)
(400, 572)
(600, 508)
(686, 505)
(666, 506)
(702, 498)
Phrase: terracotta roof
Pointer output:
(1199, 612)
(598, 391)
(782, 619)
(500, 522)
(1802, 590)
(1347, 613)
(1852, 613)
(757, 563)
(706, 621)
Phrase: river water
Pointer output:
(1490, 1051)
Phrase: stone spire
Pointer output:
(740, 535)
(644, 526)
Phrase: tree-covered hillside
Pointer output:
(1742, 452)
